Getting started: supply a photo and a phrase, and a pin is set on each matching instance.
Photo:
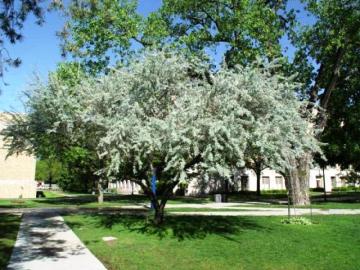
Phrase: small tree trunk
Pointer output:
(50, 182)
(86, 183)
(258, 178)
(298, 180)
(100, 192)
(323, 169)
(159, 214)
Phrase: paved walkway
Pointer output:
(251, 209)
(45, 242)
(270, 212)
(220, 209)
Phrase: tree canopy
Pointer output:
(165, 111)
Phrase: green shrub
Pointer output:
(274, 191)
(346, 189)
(318, 189)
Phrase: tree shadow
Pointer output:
(181, 227)
(85, 199)
(40, 237)
(9, 226)
(191, 200)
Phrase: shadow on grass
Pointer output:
(86, 199)
(192, 200)
(9, 226)
(179, 227)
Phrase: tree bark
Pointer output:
(258, 168)
(50, 182)
(297, 180)
(159, 213)
(258, 178)
(100, 192)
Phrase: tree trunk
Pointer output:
(159, 214)
(298, 180)
(50, 182)
(258, 178)
(100, 192)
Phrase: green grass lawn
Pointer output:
(59, 199)
(221, 242)
(55, 199)
(204, 209)
(9, 226)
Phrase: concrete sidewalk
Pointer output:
(45, 242)
(227, 209)
(270, 212)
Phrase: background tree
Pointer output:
(48, 170)
(79, 165)
(332, 42)
(104, 32)
(247, 29)
(100, 33)
(32, 133)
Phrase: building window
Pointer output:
(279, 180)
(333, 181)
(319, 182)
(266, 182)
(244, 182)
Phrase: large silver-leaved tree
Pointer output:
(167, 113)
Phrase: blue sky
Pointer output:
(40, 53)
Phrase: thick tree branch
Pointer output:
(314, 91)
(334, 78)
(324, 100)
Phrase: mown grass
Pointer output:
(204, 209)
(58, 199)
(221, 242)
(9, 226)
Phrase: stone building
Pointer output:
(17, 172)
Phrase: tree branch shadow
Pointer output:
(181, 227)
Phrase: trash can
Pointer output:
(218, 198)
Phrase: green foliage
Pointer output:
(317, 189)
(336, 27)
(80, 164)
(70, 162)
(167, 111)
(342, 131)
(248, 28)
(97, 28)
(347, 189)
(70, 73)
(48, 170)
(275, 191)
(333, 42)
(100, 33)
(353, 177)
